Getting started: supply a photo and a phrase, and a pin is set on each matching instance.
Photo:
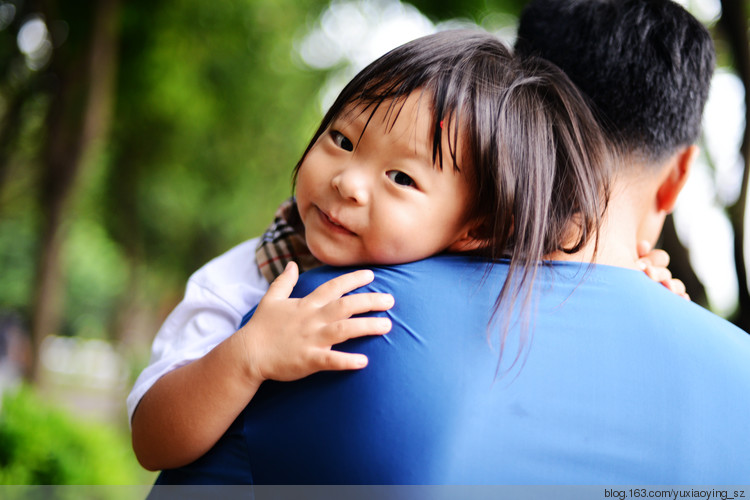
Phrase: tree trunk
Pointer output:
(9, 128)
(77, 122)
(733, 22)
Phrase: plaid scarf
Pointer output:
(283, 241)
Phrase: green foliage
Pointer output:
(41, 444)
(97, 276)
(17, 242)
(212, 114)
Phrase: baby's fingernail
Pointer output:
(641, 265)
(382, 326)
(361, 361)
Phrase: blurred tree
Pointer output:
(77, 121)
(213, 112)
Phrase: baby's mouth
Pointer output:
(333, 223)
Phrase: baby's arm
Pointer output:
(186, 411)
(654, 263)
(216, 296)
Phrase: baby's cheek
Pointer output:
(379, 252)
(396, 250)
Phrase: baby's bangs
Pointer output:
(450, 68)
(442, 92)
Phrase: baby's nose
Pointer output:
(353, 184)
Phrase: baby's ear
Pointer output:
(471, 239)
(466, 245)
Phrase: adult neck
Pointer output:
(636, 212)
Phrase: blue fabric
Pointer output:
(621, 382)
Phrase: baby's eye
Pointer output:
(400, 178)
(341, 140)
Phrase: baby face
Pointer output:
(372, 194)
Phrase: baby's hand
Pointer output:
(654, 263)
(288, 339)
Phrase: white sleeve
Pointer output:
(216, 298)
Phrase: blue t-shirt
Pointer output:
(619, 381)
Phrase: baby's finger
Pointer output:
(643, 247)
(351, 328)
(341, 285)
(677, 286)
(659, 274)
(337, 360)
(359, 303)
(282, 286)
(658, 258)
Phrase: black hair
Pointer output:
(530, 146)
(646, 66)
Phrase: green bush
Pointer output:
(43, 444)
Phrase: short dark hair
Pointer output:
(532, 150)
(645, 64)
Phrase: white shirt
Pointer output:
(217, 296)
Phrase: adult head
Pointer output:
(645, 66)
